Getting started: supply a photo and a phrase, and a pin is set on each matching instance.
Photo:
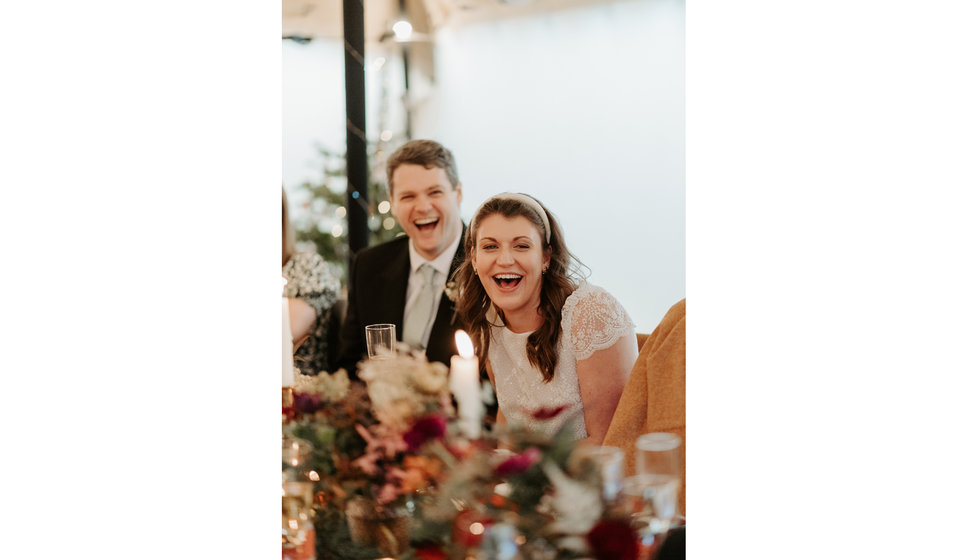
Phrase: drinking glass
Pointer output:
(608, 462)
(652, 492)
(380, 340)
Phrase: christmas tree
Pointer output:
(320, 215)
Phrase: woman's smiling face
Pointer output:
(510, 259)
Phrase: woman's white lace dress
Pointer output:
(591, 320)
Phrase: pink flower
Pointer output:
(385, 445)
(519, 463)
(613, 540)
(368, 462)
(425, 429)
(388, 493)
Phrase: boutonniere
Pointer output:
(451, 291)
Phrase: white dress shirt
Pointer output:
(441, 264)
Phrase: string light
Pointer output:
(402, 29)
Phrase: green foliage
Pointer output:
(326, 196)
(529, 487)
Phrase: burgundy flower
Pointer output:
(430, 552)
(306, 403)
(425, 429)
(613, 540)
(548, 413)
(519, 463)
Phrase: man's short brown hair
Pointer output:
(428, 154)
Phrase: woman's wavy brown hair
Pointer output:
(564, 273)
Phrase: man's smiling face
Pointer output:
(426, 206)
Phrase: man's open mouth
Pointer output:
(427, 224)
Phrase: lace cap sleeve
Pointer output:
(593, 320)
(309, 278)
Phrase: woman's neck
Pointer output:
(524, 321)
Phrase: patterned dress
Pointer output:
(309, 278)
(591, 320)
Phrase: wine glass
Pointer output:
(380, 340)
(652, 492)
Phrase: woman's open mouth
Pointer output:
(507, 281)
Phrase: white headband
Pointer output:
(518, 197)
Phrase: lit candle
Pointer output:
(287, 342)
(464, 382)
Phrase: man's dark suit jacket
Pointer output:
(378, 281)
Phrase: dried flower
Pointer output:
(331, 387)
(404, 386)
(432, 379)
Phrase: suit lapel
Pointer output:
(441, 342)
(388, 290)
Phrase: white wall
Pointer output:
(583, 109)
(312, 107)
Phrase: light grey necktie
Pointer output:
(418, 314)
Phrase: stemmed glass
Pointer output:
(380, 340)
(653, 490)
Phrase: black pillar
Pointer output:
(357, 166)
(406, 100)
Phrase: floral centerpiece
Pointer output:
(370, 455)
(388, 451)
(542, 495)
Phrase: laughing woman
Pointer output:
(548, 339)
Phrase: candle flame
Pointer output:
(464, 344)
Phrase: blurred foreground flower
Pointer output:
(613, 539)
(306, 403)
(424, 430)
(520, 463)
